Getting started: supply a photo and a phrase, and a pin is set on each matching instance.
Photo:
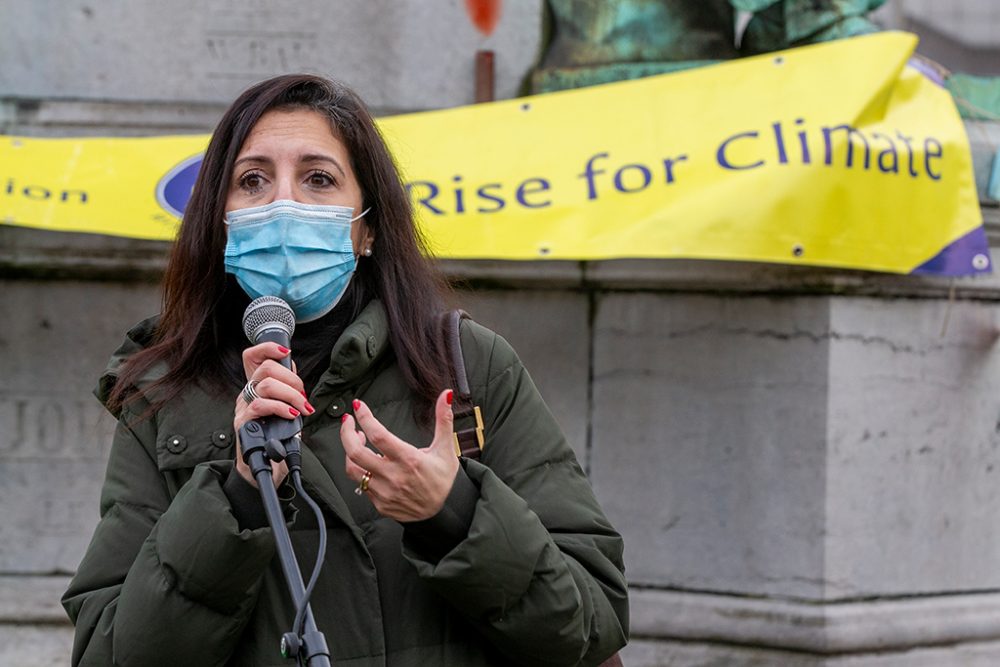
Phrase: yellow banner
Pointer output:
(837, 154)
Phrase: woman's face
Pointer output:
(293, 154)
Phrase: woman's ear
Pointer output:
(362, 237)
(366, 246)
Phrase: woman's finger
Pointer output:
(255, 355)
(265, 407)
(378, 435)
(354, 445)
(273, 369)
(275, 389)
(353, 470)
(444, 422)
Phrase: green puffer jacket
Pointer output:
(178, 575)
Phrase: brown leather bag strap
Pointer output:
(453, 339)
(469, 441)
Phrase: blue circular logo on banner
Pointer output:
(174, 189)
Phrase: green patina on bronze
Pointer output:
(783, 24)
(598, 41)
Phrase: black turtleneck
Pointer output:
(313, 341)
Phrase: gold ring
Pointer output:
(363, 486)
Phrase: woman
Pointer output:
(432, 559)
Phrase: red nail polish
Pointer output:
(309, 408)
(356, 404)
(293, 412)
(343, 418)
(449, 397)
(304, 394)
(283, 349)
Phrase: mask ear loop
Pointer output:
(360, 215)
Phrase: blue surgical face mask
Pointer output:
(301, 253)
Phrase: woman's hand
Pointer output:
(280, 394)
(406, 483)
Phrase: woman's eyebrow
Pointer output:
(252, 158)
(319, 157)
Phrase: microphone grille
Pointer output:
(266, 313)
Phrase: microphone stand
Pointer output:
(264, 440)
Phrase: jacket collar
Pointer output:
(363, 342)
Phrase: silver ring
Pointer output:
(250, 391)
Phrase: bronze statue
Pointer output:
(597, 41)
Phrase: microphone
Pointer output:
(269, 319)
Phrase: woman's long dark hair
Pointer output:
(202, 308)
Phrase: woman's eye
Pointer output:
(251, 181)
(320, 179)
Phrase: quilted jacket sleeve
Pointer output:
(540, 573)
(166, 580)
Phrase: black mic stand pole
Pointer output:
(261, 441)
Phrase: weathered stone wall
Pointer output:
(101, 66)
(802, 462)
